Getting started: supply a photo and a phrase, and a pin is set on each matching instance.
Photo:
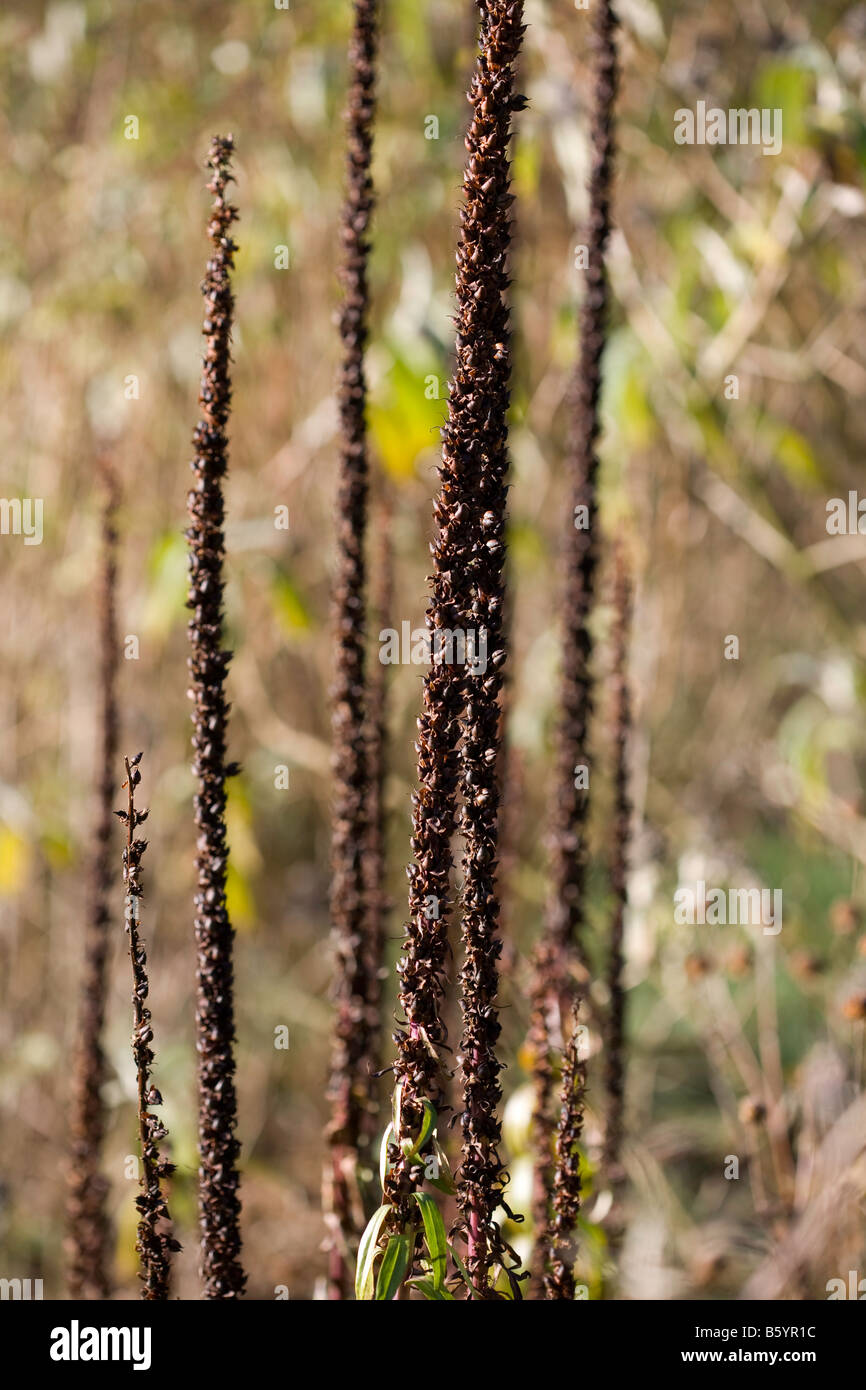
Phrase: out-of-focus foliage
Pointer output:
(726, 263)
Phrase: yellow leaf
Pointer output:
(15, 859)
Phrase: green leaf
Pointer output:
(367, 1255)
(165, 602)
(428, 1124)
(445, 1182)
(383, 1154)
(429, 1290)
(396, 1106)
(395, 1263)
(288, 602)
(435, 1237)
(464, 1273)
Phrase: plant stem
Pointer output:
(89, 1226)
(615, 1042)
(562, 941)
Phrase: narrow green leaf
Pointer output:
(445, 1185)
(464, 1272)
(429, 1290)
(412, 1147)
(367, 1252)
(383, 1154)
(428, 1124)
(445, 1182)
(435, 1237)
(396, 1106)
(392, 1271)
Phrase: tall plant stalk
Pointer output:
(465, 597)
(155, 1243)
(562, 940)
(621, 718)
(219, 1204)
(377, 766)
(565, 1206)
(476, 439)
(88, 1222)
(350, 1077)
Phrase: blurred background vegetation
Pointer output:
(746, 772)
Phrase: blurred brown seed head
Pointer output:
(752, 1111)
(697, 966)
(854, 1007)
(845, 916)
(706, 1267)
(739, 960)
(805, 965)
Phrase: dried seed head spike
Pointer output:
(351, 1076)
(621, 719)
(562, 937)
(89, 1227)
(377, 904)
(475, 437)
(219, 1204)
(559, 1278)
(458, 699)
(155, 1243)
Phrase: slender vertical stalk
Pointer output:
(219, 1204)
(89, 1227)
(465, 598)
(476, 438)
(559, 1278)
(377, 766)
(350, 1083)
(562, 941)
(621, 718)
(155, 1243)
